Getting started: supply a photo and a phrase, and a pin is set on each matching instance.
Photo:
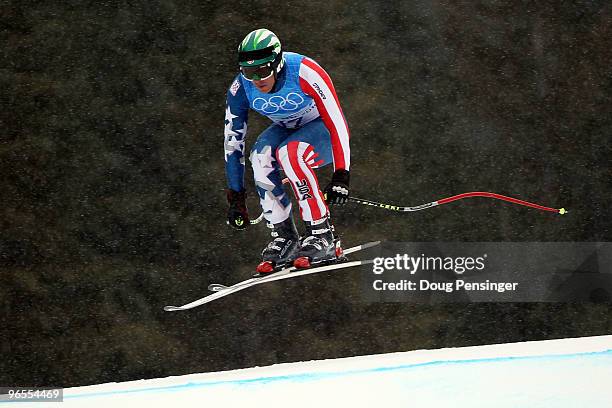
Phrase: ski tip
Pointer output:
(171, 308)
(562, 211)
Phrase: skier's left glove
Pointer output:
(337, 192)
(237, 215)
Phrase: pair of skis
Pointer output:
(291, 272)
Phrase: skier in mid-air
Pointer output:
(308, 131)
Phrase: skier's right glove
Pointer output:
(237, 215)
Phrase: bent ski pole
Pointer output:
(257, 220)
(455, 198)
(442, 201)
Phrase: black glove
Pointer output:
(337, 192)
(237, 215)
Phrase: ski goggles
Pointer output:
(258, 73)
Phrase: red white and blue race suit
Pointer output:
(309, 131)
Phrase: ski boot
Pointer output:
(281, 251)
(319, 246)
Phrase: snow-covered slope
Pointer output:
(555, 373)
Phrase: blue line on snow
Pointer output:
(323, 375)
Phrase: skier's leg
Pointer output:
(274, 201)
(307, 148)
(299, 154)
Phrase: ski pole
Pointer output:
(257, 220)
(442, 201)
(455, 198)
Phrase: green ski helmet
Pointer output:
(260, 47)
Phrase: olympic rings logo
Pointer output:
(277, 102)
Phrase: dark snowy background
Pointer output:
(112, 175)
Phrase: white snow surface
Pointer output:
(552, 373)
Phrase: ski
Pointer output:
(217, 287)
(282, 274)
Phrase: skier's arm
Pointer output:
(236, 117)
(315, 82)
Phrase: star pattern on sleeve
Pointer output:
(234, 138)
